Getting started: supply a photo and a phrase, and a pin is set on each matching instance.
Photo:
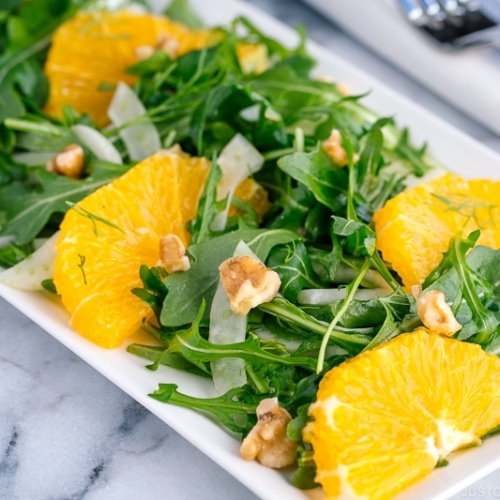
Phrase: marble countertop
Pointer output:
(67, 433)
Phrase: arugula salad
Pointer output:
(275, 284)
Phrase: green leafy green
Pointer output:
(316, 170)
(470, 283)
(181, 11)
(294, 268)
(27, 218)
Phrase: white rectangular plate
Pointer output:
(450, 146)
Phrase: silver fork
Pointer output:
(457, 24)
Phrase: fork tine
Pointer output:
(453, 7)
(470, 5)
(454, 23)
(414, 12)
(435, 13)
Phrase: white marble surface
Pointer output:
(67, 433)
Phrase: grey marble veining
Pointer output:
(67, 433)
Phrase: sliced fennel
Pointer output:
(141, 139)
(29, 273)
(228, 328)
(238, 160)
(97, 143)
(324, 296)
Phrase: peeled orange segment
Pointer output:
(415, 227)
(383, 419)
(94, 49)
(106, 238)
(251, 192)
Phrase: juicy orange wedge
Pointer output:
(251, 192)
(385, 418)
(106, 238)
(415, 227)
(90, 53)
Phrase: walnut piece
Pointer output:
(434, 311)
(173, 254)
(169, 45)
(248, 283)
(333, 147)
(267, 441)
(69, 162)
(143, 52)
(166, 43)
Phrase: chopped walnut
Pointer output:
(343, 88)
(267, 441)
(69, 162)
(333, 147)
(144, 52)
(166, 43)
(169, 45)
(434, 312)
(173, 254)
(248, 283)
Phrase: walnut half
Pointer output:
(434, 311)
(248, 283)
(173, 254)
(267, 441)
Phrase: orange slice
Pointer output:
(383, 419)
(112, 232)
(95, 48)
(415, 227)
(254, 194)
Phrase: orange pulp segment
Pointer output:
(112, 232)
(415, 227)
(94, 49)
(384, 419)
(251, 192)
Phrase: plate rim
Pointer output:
(179, 418)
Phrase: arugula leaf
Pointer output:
(196, 349)
(29, 30)
(366, 313)
(294, 268)
(227, 409)
(316, 170)
(291, 204)
(174, 360)
(10, 170)
(416, 158)
(26, 218)
(286, 312)
(181, 11)
(470, 283)
(304, 477)
(10, 255)
(154, 291)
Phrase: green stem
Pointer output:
(278, 153)
(379, 265)
(46, 129)
(23, 54)
(282, 309)
(347, 301)
(255, 379)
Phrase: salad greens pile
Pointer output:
(316, 234)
